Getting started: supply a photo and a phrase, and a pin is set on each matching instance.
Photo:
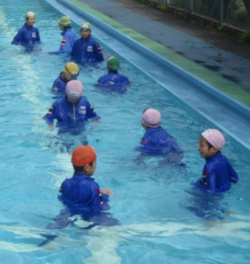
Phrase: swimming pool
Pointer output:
(150, 202)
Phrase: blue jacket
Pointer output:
(59, 85)
(113, 77)
(158, 141)
(69, 115)
(68, 41)
(81, 191)
(27, 36)
(86, 50)
(217, 174)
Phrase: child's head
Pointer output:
(84, 160)
(151, 118)
(211, 142)
(73, 91)
(113, 63)
(64, 22)
(71, 71)
(30, 18)
(85, 30)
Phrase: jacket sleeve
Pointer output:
(74, 51)
(50, 116)
(17, 39)
(211, 181)
(98, 52)
(38, 36)
(63, 48)
(66, 46)
(233, 176)
(91, 114)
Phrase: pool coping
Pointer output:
(218, 85)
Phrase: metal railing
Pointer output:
(232, 13)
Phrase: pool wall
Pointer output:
(218, 107)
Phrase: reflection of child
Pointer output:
(81, 191)
(156, 140)
(70, 72)
(217, 172)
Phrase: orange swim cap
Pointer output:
(83, 155)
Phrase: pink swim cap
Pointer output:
(74, 89)
(151, 118)
(214, 137)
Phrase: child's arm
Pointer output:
(211, 181)
(107, 191)
(49, 117)
(91, 114)
(233, 176)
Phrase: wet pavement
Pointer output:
(213, 50)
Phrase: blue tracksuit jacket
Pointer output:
(81, 191)
(69, 38)
(158, 141)
(27, 36)
(86, 50)
(113, 77)
(59, 85)
(69, 115)
(217, 174)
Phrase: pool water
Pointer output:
(149, 200)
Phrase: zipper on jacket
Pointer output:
(83, 50)
(74, 113)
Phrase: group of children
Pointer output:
(71, 110)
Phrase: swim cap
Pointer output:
(64, 21)
(113, 63)
(71, 68)
(151, 117)
(83, 155)
(86, 26)
(29, 14)
(74, 89)
(214, 137)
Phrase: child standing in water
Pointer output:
(156, 140)
(69, 36)
(82, 195)
(86, 49)
(81, 191)
(28, 35)
(217, 172)
(70, 72)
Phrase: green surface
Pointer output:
(214, 80)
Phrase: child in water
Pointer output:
(70, 72)
(82, 195)
(69, 37)
(72, 110)
(28, 35)
(156, 140)
(81, 191)
(113, 77)
(217, 172)
(86, 49)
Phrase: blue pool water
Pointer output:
(150, 201)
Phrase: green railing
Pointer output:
(231, 13)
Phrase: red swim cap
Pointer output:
(83, 155)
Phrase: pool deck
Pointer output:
(163, 37)
(132, 30)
